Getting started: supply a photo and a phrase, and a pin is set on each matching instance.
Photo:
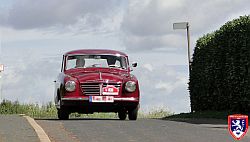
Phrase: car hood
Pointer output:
(100, 77)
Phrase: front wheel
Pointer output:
(133, 113)
(62, 114)
(122, 115)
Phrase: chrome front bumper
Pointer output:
(86, 99)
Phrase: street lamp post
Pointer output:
(1, 70)
(185, 25)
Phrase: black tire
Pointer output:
(62, 114)
(122, 115)
(133, 113)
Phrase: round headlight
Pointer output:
(70, 86)
(130, 86)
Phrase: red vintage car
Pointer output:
(96, 81)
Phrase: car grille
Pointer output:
(95, 88)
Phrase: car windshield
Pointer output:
(93, 61)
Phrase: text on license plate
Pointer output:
(98, 99)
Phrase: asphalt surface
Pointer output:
(14, 128)
(142, 130)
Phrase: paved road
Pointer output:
(14, 128)
(142, 130)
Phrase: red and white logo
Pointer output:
(110, 90)
(238, 125)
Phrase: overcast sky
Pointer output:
(35, 34)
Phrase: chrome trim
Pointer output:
(100, 75)
(103, 81)
(91, 88)
(86, 99)
(98, 54)
(75, 99)
(95, 88)
(126, 99)
(125, 56)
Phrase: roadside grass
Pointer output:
(48, 111)
(156, 113)
(34, 110)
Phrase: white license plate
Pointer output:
(101, 99)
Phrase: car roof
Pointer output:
(95, 51)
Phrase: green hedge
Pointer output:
(220, 75)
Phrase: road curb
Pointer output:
(38, 129)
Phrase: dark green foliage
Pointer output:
(220, 75)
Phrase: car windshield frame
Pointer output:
(123, 61)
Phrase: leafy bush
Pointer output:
(220, 75)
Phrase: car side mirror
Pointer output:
(134, 64)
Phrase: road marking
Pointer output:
(39, 130)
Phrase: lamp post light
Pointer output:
(185, 25)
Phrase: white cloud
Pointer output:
(148, 67)
(30, 79)
(60, 17)
(28, 76)
(168, 87)
(163, 86)
(35, 34)
(149, 26)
